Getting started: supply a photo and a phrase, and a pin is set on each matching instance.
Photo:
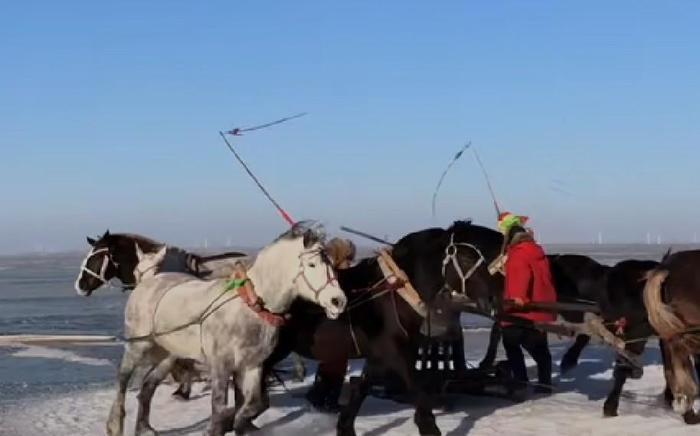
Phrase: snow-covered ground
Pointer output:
(575, 409)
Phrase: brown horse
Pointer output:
(672, 299)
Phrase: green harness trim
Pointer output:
(235, 284)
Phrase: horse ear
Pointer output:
(106, 233)
(139, 252)
(91, 241)
(161, 253)
(309, 239)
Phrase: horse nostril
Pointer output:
(335, 301)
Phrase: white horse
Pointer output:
(173, 316)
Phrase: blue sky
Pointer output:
(586, 114)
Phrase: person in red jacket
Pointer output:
(527, 279)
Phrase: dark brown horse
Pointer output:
(672, 299)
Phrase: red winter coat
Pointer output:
(529, 278)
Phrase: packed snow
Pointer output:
(574, 409)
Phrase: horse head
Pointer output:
(98, 266)
(296, 265)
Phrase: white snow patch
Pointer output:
(54, 353)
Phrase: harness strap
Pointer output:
(451, 252)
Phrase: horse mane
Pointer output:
(140, 239)
(461, 225)
(307, 228)
(667, 255)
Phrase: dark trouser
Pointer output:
(535, 342)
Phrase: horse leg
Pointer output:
(249, 383)
(183, 374)
(184, 390)
(325, 392)
(219, 377)
(570, 359)
(623, 370)
(668, 394)
(690, 416)
(359, 387)
(401, 363)
(683, 383)
(133, 355)
(494, 340)
(299, 367)
(148, 388)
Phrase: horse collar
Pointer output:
(244, 286)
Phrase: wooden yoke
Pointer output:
(394, 274)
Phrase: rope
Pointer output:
(488, 182)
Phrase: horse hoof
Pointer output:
(181, 394)
(345, 431)
(637, 373)
(115, 424)
(427, 427)
(609, 412)
(668, 397)
(681, 404)
(146, 431)
(245, 428)
(691, 418)
(433, 431)
(114, 430)
(567, 364)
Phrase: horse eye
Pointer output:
(312, 265)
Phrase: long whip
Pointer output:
(488, 182)
(444, 173)
(366, 235)
(274, 202)
(237, 132)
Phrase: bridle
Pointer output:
(451, 252)
(103, 269)
(330, 275)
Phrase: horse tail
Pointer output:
(662, 317)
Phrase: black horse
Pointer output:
(618, 292)
(113, 255)
(383, 328)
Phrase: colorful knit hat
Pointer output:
(507, 221)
